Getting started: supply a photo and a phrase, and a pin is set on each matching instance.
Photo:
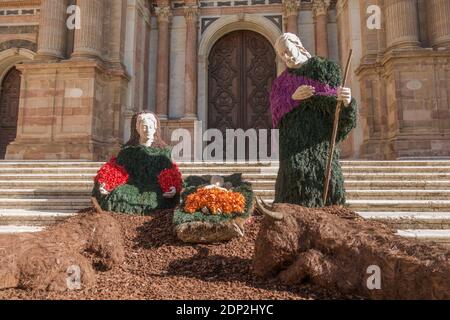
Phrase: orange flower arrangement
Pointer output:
(216, 200)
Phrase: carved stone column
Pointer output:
(402, 30)
(439, 22)
(290, 11)
(117, 32)
(52, 30)
(162, 74)
(190, 86)
(320, 11)
(88, 39)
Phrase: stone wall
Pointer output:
(69, 110)
(135, 57)
(404, 81)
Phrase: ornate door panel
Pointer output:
(260, 72)
(241, 71)
(9, 109)
(224, 81)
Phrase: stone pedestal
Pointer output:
(69, 110)
(169, 126)
(405, 106)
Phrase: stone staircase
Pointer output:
(413, 196)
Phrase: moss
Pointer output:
(322, 70)
(194, 182)
(304, 139)
(142, 194)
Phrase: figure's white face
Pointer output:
(147, 129)
(293, 56)
(217, 180)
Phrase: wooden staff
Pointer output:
(334, 135)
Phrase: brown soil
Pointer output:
(333, 248)
(158, 266)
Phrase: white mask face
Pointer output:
(293, 57)
(147, 128)
(291, 51)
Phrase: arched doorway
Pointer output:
(241, 69)
(9, 109)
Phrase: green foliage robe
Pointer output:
(305, 134)
(142, 194)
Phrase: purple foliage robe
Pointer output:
(283, 88)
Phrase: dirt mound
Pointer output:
(338, 251)
(63, 257)
(159, 266)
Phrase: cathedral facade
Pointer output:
(73, 72)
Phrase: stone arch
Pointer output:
(13, 56)
(18, 43)
(9, 58)
(9, 108)
(217, 30)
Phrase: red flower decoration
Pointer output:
(112, 175)
(170, 178)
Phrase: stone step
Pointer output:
(75, 163)
(48, 164)
(93, 171)
(199, 170)
(49, 170)
(62, 203)
(355, 189)
(56, 204)
(370, 176)
(372, 185)
(395, 169)
(437, 236)
(379, 194)
(344, 163)
(86, 185)
(266, 189)
(90, 176)
(51, 176)
(414, 194)
(351, 184)
(399, 205)
(66, 204)
(402, 163)
(32, 217)
(391, 205)
(411, 220)
(45, 193)
(47, 184)
(249, 176)
(364, 195)
(19, 229)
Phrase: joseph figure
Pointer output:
(303, 104)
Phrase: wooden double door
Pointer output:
(242, 67)
(9, 109)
